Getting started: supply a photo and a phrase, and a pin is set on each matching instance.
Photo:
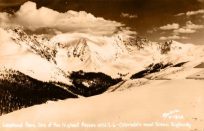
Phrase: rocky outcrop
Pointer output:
(90, 83)
(35, 43)
(150, 69)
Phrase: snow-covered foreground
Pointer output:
(158, 97)
(166, 103)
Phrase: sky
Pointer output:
(157, 20)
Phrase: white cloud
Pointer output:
(170, 26)
(32, 18)
(180, 14)
(190, 13)
(189, 28)
(5, 19)
(184, 31)
(190, 25)
(130, 16)
(174, 37)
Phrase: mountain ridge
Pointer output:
(120, 53)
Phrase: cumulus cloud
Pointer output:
(190, 25)
(173, 37)
(5, 19)
(170, 26)
(191, 13)
(130, 16)
(180, 14)
(32, 18)
(184, 31)
(188, 28)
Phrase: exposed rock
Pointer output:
(166, 47)
(150, 69)
(89, 84)
(179, 64)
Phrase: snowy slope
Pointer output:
(19, 57)
(121, 53)
(145, 104)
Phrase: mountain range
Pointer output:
(70, 65)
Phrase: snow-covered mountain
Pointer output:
(81, 59)
(121, 53)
